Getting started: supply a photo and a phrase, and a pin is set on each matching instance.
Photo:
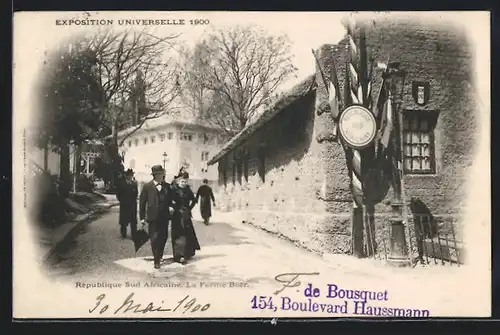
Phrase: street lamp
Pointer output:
(394, 80)
(164, 160)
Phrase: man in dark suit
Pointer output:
(155, 208)
(127, 193)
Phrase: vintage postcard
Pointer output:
(251, 164)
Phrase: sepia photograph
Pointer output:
(251, 165)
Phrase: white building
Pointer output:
(171, 144)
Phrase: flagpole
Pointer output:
(354, 94)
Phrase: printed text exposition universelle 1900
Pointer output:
(131, 22)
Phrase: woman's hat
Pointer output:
(181, 171)
(157, 169)
(184, 175)
(129, 172)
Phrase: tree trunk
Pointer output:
(65, 176)
(116, 161)
(114, 149)
(77, 166)
(46, 156)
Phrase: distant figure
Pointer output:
(205, 197)
(127, 193)
(184, 240)
(155, 208)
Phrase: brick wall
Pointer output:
(306, 196)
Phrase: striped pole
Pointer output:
(356, 94)
(368, 153)
(359, 92)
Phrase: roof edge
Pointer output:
(300, 90)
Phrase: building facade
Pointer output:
(287, 174)
(171, 144)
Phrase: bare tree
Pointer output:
(234, 72)
(137, 77)
(194, 94)
(136, 72)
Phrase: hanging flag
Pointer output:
(325, 82)
(387, 123)
(347, 85)
(334, 95)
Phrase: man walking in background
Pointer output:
(205, 196)
(155, 208)
(127, 193)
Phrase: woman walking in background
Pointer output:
(205, 197)
(184, 240)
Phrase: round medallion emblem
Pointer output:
(357, 126)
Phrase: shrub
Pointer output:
(46, 203)
(84, 184)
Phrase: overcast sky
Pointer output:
(306, 30)
(37, 33)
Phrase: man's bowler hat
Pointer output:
(157, 169)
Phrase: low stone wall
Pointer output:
(321, 233)
(331, 233)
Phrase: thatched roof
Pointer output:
(297, 92)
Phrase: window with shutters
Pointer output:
(418, 144)
(204, 161)
(186, 136)
(204, 156)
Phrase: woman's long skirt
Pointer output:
(184, 239)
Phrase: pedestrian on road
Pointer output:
(127, 193)
(155, 208)
(184, 240)
(205, 197)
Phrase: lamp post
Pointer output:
(394, 79)
(164, 160)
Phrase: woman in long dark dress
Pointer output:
(184, 240)
(205, 197)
